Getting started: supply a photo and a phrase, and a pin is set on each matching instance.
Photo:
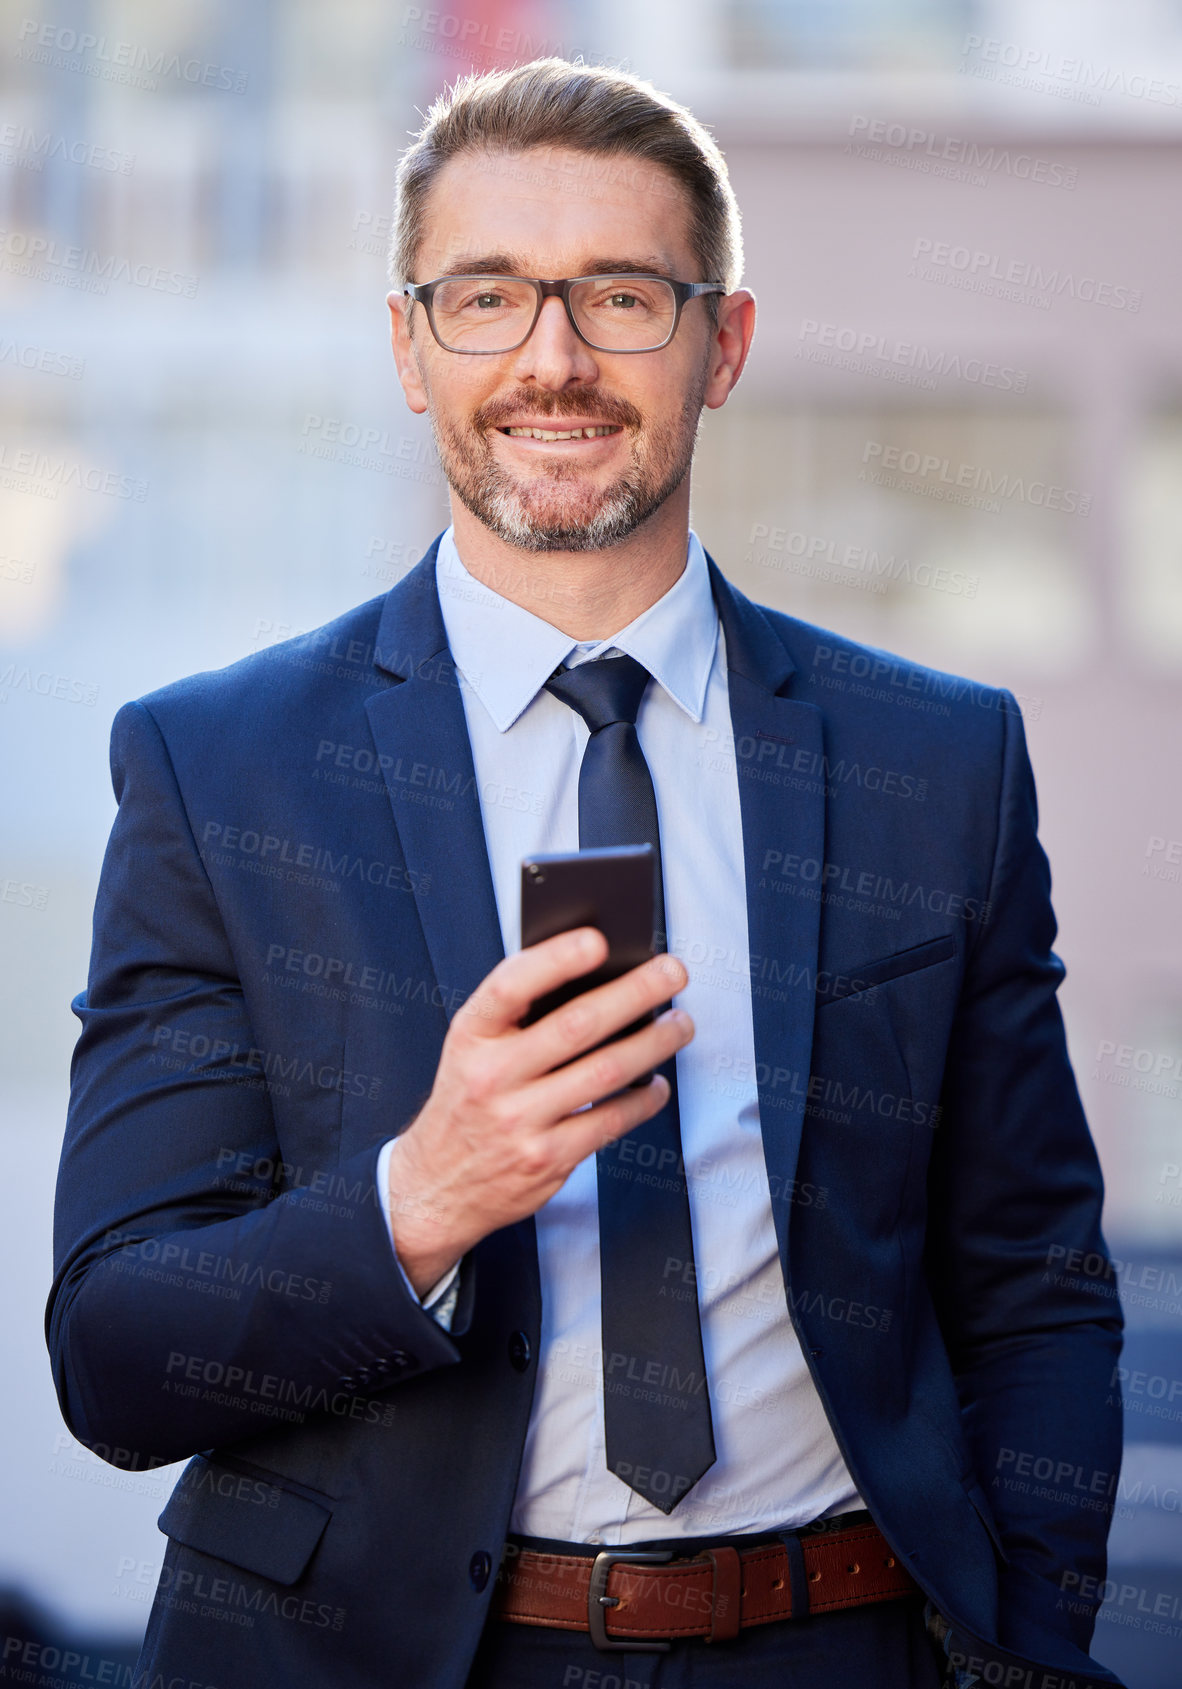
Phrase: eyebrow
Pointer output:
(511, 264)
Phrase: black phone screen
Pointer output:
(613, 889)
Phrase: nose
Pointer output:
(554, 356)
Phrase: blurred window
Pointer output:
(957, 537)
(864, 34)
(1151, 576)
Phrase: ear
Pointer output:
(405, 355)
(730, 345)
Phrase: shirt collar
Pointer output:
(506, 653)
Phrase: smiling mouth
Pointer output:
(592, 432)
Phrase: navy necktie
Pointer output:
(659, 1436)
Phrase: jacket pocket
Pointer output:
(247, 1517)
(887, 968)
(981, 1502)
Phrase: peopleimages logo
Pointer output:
(42, 359)
(64, 48)
(30, 471)
(1040, 68)
(941, 260)
(994, 484)
(42, 258)
(869, 352)
(950, 155)
(827, 559)
(29, 148)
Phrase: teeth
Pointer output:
(567, 434)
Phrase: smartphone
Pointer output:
(613, 889)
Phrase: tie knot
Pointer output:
(604, 691)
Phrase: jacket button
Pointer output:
(519, 1350)
(402, 1358)
(380, 1367)
(364, 1376)
(347, 1382)
(479, 1568)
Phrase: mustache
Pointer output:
(598, 407)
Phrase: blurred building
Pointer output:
(959, 437)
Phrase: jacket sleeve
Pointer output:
(1015, 1198)
(193, 1302)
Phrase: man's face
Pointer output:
(551, 212)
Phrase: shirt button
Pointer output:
(520, 1352)
(479, 1568)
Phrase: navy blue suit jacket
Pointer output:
(295, 897)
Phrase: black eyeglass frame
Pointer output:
(423, 293)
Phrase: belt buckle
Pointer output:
(598, 1600)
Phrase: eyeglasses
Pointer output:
(489, 314)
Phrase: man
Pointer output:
(726, 1372)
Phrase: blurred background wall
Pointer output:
(959, 437)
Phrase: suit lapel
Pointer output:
(783, 930)
(421, 735)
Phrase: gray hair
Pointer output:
(603, 112)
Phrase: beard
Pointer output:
(554, 508)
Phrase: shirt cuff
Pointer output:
(440, 1300)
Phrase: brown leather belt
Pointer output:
(651, 1599)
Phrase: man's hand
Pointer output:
(501, 1129)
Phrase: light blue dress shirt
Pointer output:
(778, 1464)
